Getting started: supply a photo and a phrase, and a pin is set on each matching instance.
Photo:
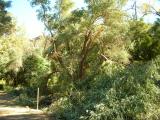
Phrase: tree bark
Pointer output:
(84, 54)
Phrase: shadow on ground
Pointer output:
(25, 117)
(10, 111)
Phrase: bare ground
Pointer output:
(10, 111)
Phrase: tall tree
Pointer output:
(6, 23)
(83, 38)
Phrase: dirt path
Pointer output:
(10, 111)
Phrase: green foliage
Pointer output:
(24, 99)
(156, 70)
(155, 30)
(129, 95)
(83, 67)
(6, 24)
(62, 109)
(12, 49)
(83, 39)
(8, 89)
(92, 76)
(35, 67)
(116, 93)
(145, 42)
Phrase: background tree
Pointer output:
(6, 23)
(13, 48)
(34, 71)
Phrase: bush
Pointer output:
(128, 94)
(25, 100)
(35, 68)
(62, 109)
(117, 93)
(145, 40)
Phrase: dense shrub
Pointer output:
(145, 40)
(34, 70)
(118, 92)
(25, 100)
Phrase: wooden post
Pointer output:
(37, 98)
